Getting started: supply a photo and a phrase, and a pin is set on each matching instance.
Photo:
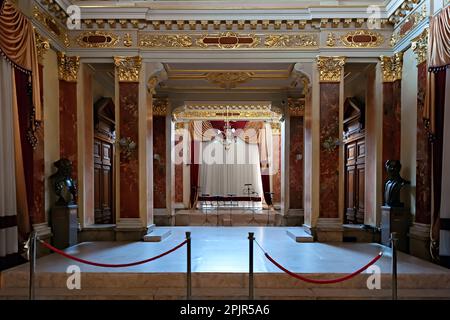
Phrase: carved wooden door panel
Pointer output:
(350, 182)
(103, 182)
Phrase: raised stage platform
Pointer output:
(220, 266)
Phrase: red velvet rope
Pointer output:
(105, 265)
(347, 277)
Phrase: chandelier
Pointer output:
(228, 134)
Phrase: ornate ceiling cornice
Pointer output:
(392, 67)
(51, 25)
(68, 67)
(330, 68)
(228, 80)
(128, 68)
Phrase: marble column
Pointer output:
(39, 218)
(129, 225)
(420, 230)
(68, 68)
(392, 68)
(329, 225)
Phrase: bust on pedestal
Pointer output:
(65, 212)
(394, 216)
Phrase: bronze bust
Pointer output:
(64, 186)
(394, 184)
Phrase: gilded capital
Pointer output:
(420, 47)
(128, 68)
(68, 67)
(392, 67)
(330, 68)
(42, 46)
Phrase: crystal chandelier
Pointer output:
(228, 134)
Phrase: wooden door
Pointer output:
(350, 182)
(360, 181)
(103, 182)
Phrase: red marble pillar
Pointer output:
(329, 152)
(129, 161)
(296, 147)
(179, 166)
(423, 168)
(277, 164)
(159, 164)
(38, 203)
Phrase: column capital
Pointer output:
(42, 46)
(157, 74)
(420, 46)
(392, 67)
(128, 68)
(68, 67)
(330, 68)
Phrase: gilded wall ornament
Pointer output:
(291, 41)
(97, 39)
(51, 25)
(330, 68)
(392, 67)
(128, 68)
(331, 40)
(420, 47)
(362, 39)
(228, 80)
(160, 107)
(68, 67)
(42, 46)
(127, 40)
(229, 40)
(166, 41)
(296, 107)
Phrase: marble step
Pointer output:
(157, 235)
(300, 235)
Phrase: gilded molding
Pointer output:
(351, 39)
(42, 46)
(228, 40)
(110, 39)
(291, 41)
(228, 80)
(392, 67)
(331, 39)
(276, 128)
(68, 67)
(231, 111)
(127, 40)
(128, 68)
(166, 41)
(330, 68)
(408, 25)
(420, 47)
(51, 25)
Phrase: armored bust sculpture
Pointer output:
(64, 186)
(394, 184)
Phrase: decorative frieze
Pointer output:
(229, 40)
(166, 41)
(296, 107)
(97, 39)
(51, 25)
(330, 68)
(228, 80)
(160, 107)
(128, 68)
(409, 24)
(68, 67)
(291, 41)
(420, 46)
(362, 39)
(392, 67)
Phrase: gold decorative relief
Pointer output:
(330, 68)
(228, 80)
(51, 25)
(296, 107)
(331, 40)
(127, 40)
(128, 68)
(362, 39)
(276, 128)
(229, 40)
(42, 46)
(420, 47)
(97, 39)
(291, 41)
(166, 41)
(392, 67)
(68, 67)
(160, 107)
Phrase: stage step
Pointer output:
(300, 235)
(157, 235)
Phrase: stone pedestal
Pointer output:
(419, 241)
(64, 226)
(395, 219)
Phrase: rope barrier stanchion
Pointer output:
(394, 241)
(251, 290)
(189, 266)
(320, 281)
(106, 265)
(32, 258)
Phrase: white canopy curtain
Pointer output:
(8, 204)
(224, 172)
